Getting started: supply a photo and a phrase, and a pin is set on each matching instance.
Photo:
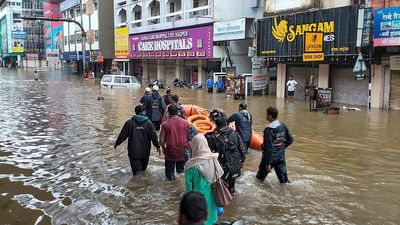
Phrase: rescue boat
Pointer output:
(199, 118)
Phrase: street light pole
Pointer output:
(68, 21)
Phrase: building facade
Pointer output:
(34, 50)
(316, 42)
(171, 39)
(97, 20)
(12, 33)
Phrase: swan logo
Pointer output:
(283, 31)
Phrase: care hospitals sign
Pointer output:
(230, 30)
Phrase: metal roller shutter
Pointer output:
(345, 89)
(395, 90)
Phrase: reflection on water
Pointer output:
(57, 164)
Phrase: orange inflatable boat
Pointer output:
(199, 118)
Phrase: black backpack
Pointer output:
(231, 159)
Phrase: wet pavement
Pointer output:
(57, 164)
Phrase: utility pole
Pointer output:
(68, 21)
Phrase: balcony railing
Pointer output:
(203, 11)
(174, 16)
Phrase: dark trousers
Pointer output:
(138, 165)
(231, 184)
(220, 90)
(246, 146)
(157, 125)
(170, 167)
(279, 167)
(210, 90)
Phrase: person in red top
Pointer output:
(173, 139)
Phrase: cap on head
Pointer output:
(156, 88)
(148, 89)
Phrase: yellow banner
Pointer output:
(310, 57)
(314, 42)
(17, 49)
(121, 43)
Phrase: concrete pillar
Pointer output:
(281, 81)
(377, 86)
(201, 74)
(160, 69)
(180, 69)
(145, 65)
(323, 76)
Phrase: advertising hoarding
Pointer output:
(387, 27)
(191, 43)
(121, 39)
(230, 30)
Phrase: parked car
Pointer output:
(112, 81)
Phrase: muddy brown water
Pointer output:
(57, 164)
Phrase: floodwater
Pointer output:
(57, 164)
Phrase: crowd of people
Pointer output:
(204, 159)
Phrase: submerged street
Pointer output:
(58, 166)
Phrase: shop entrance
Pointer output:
(395, 90)
(191, 73)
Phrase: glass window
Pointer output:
(78, 11)
(172, 7)
(117, 80)
(107, 79)
(71, 13)
(84, 9)
(126, 80)
(134, 80)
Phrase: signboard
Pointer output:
(191, 43)
(284, 35)
(3, 34)
(52, 55)
(72, 56)
(121, 39)
(31, 56)
(259, 74)
(313, 46)
(395, 62)
(230, 30)
(90, 37)
(18, 49)
(17, 34)
(89, 7)
(364, 27)
(387, 27)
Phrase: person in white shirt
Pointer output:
(291, 86)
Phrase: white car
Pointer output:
(112, 81)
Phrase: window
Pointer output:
(172, 7)
(126, 80)
(71, 13)
(78, 11)
(96, 35)
(117, 80)
(107, 79)
(84, 9)
(134, 80)
(195, 3)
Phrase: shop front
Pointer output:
(317, 48)
(387, 72)
(168, 55)
(71, 60)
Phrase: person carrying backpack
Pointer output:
(155, 107)
(231, 151)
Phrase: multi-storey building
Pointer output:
(34, 43)
(171, 39)
(12, 33)
(97, 20)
